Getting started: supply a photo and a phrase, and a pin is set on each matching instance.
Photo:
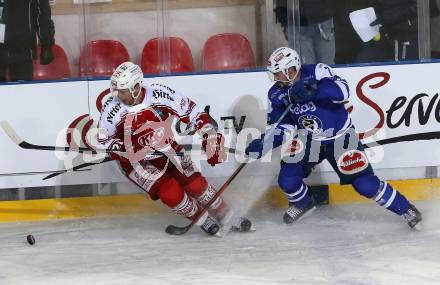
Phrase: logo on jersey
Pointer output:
(154, 138)
(166, 87)
(160, 94)
(113, 112)
(353, 161)
(311, 123)
(300, 109)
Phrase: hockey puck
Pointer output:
(30, 239)
(246, 225)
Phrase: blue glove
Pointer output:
(303, 91)
(256, 146)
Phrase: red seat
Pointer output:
(59, 68)
(227, 52)
(101, 57)
(156, 58)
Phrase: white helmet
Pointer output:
(126, 76)
(282, 59)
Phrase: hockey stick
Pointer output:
(77, 167)
(107, 159)
(175, 230)
(12, 134)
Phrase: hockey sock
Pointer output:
(391, 199)
(203, 192)
(299, 198)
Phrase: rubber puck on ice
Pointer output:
(30, 239)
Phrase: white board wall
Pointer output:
(40, 112)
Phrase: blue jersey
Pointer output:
(325, 116)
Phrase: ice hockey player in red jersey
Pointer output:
(137, 120)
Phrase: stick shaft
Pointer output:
(182, 230)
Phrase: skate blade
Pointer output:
(222, 233)
(418, 227)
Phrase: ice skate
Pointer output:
(413, 217)
(210, 226)
(294, 214)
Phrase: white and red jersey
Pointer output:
(148, 124)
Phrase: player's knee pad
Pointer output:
(291, 177)
(170, 192)
(172, 195)
(290, 184)
(196, 186)
(367, 185)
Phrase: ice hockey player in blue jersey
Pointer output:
(316, 98)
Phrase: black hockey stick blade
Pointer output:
(177, 231)
(107, 159)
(77, 167)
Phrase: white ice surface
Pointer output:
(361, 244)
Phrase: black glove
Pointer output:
(303, 91)
(46, 56)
